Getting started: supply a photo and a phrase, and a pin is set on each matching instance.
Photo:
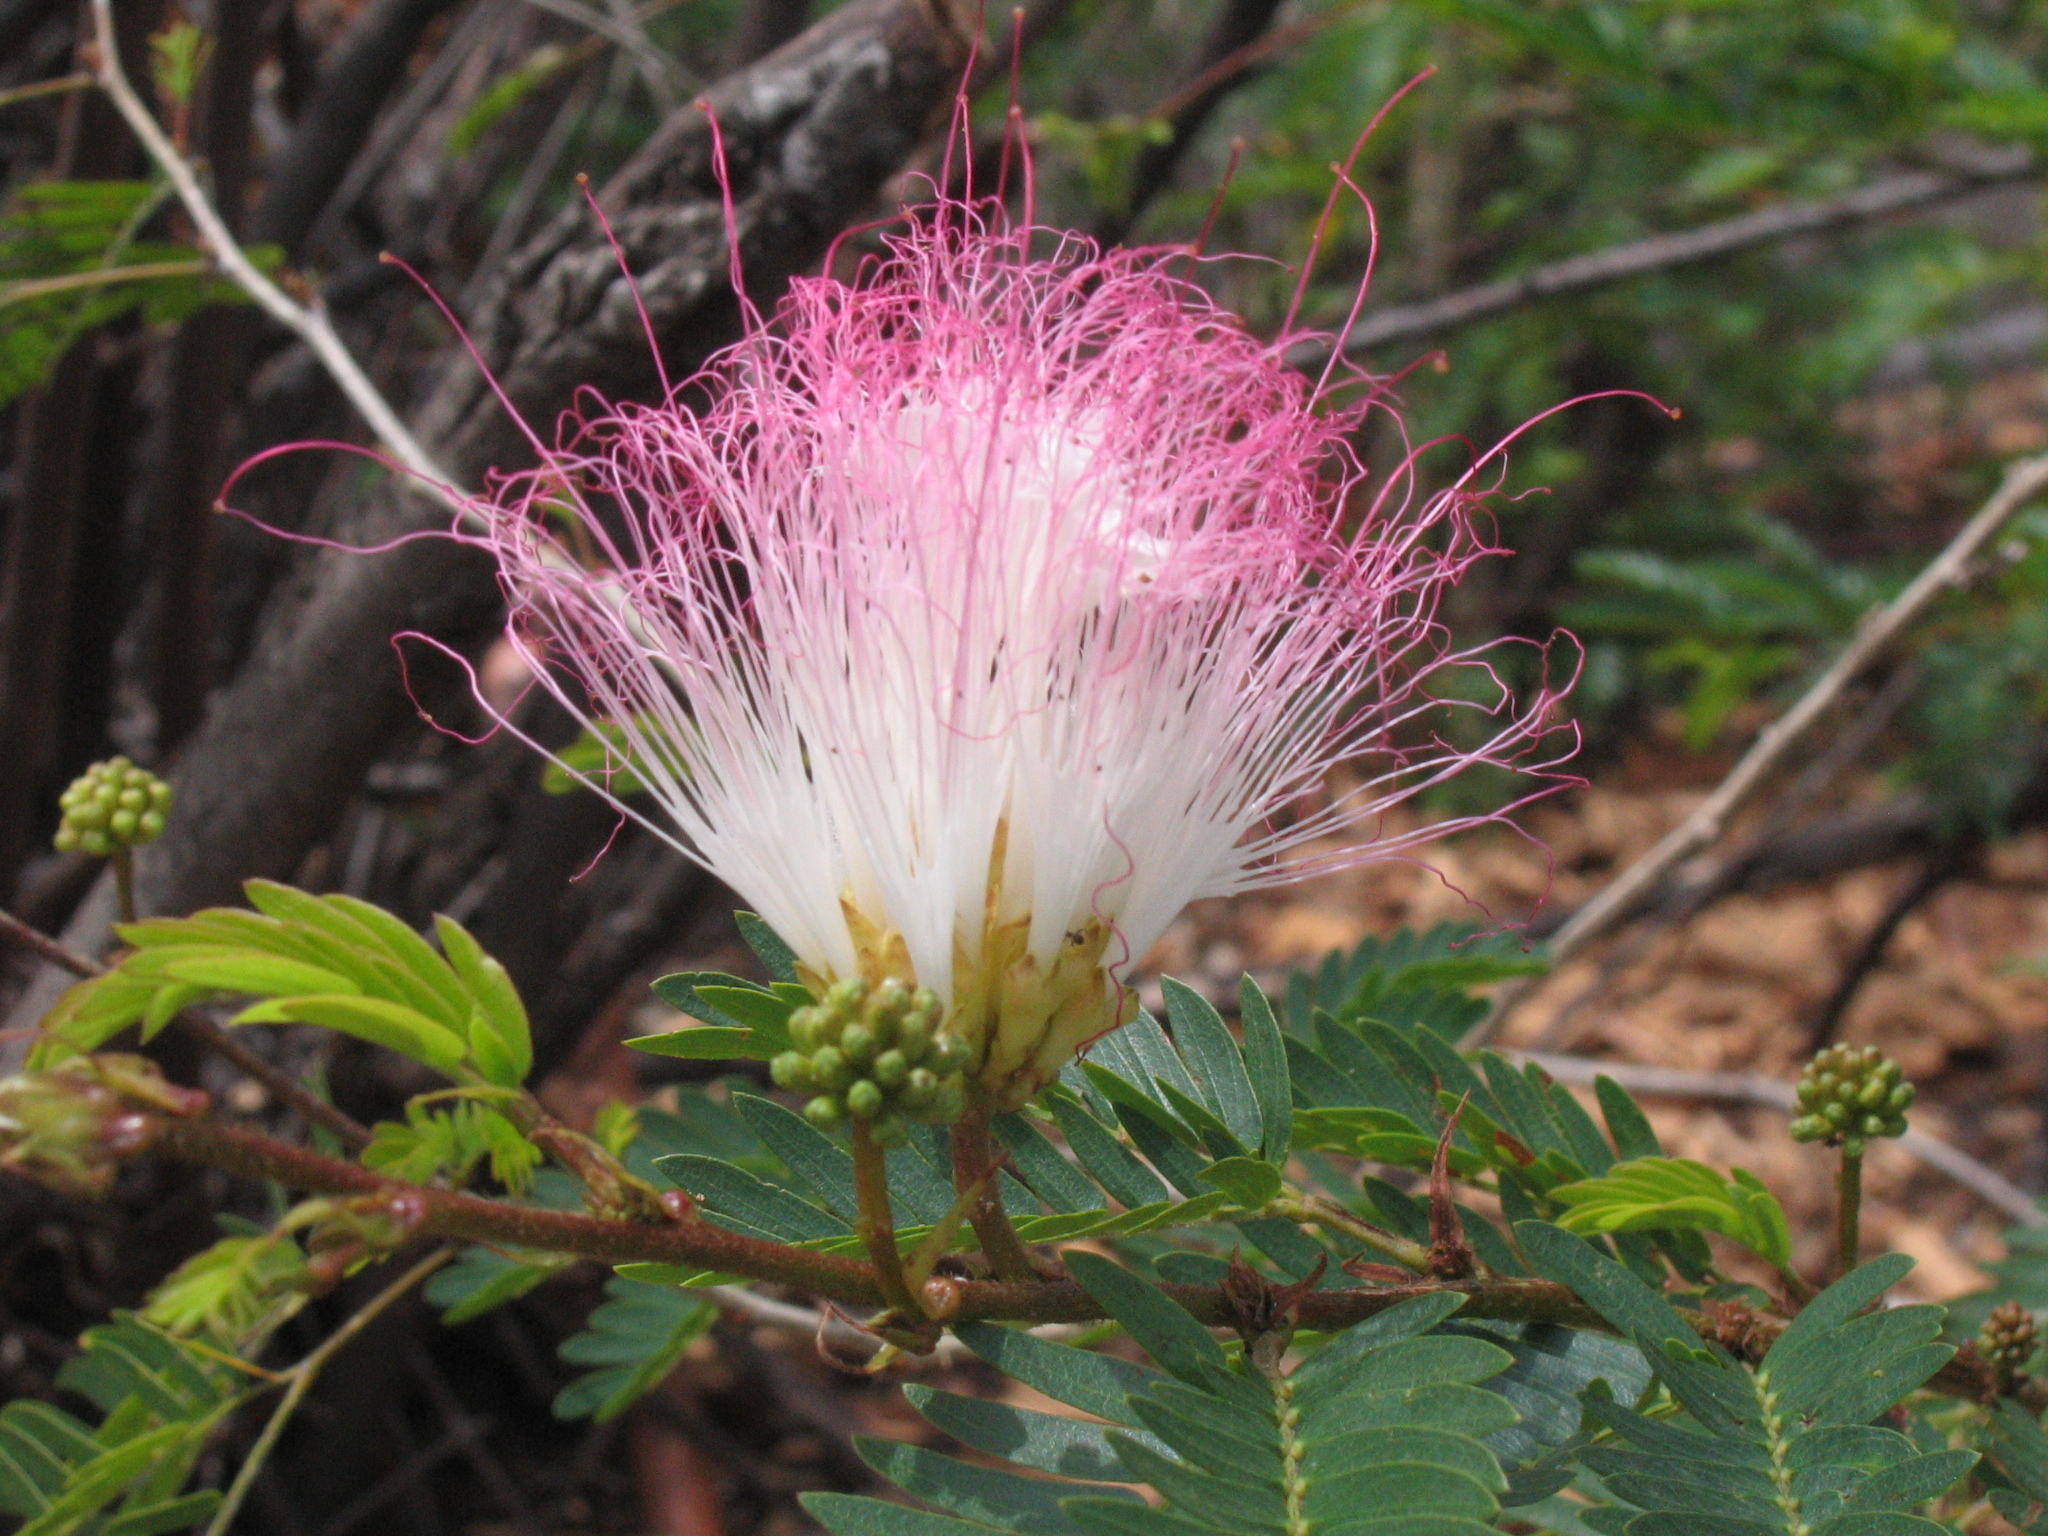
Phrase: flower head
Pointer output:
(994, 605)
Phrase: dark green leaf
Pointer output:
(847, 1514)
(1327, 1372)
(1049, 1442)
(1051, 1177)
(1128, 1181)
(1911, 1482)
(1417, 1489)
(483, 1279)
(1194, 1493)
(635, 1338)
(1265, 1061)
(820, 1162)
(1105, 1517)
(1001, 1499)
(767, 945)
(1097, 1384)
(1626, 1122)
(706, 1042)
(761, 1205)
(1172, 1337)
(1205, 1043)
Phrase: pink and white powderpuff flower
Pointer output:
(992, 606)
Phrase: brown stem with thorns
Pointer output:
(700, 1245)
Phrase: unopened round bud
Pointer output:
(805, 1028)
(913, 1038)
(889, 1130)
(864, 1099)
(888, 1001)
(830, 1069)
(2008, 1340)
(1850, 1094)
(825, 1112)
(792, 1070)
(890, 1069)
(875, 1053)
(920, 1090)
(110, 807)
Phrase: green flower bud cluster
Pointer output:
(1851, 1093)
(876, 1054)
(2008, 1339)
(112, 806)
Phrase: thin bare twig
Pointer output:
(1883, 625)
(306, 1372)
(1691, 891)
(57, 87)
(624, 28)
(1993, 1187)
(309, 324)
(1891, 194)
(42, 287)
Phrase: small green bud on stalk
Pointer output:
(111, 807)
(1850, 1095)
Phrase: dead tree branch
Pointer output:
(1890, 194)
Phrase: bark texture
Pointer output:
(811, 133)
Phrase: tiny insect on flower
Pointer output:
(993, 605)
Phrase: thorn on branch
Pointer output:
(1264, 1313)
(1450, 1255)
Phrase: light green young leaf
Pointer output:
(1646, 1194)
(1265, 1061)
(500, 1037)
(375, 1019)
(237, 1286)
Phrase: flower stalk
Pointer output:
(1849, 1208)
(975, 1171)
(876, 1223)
